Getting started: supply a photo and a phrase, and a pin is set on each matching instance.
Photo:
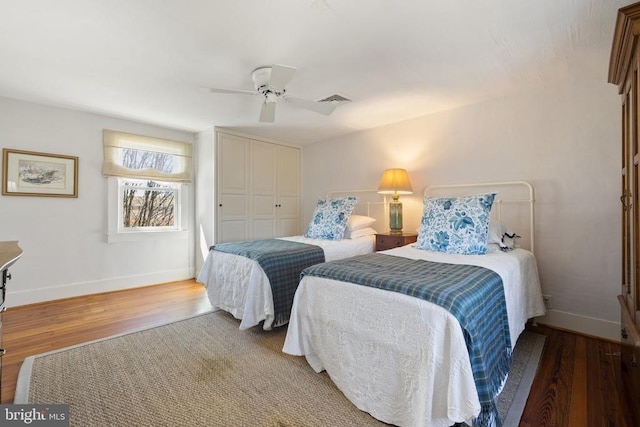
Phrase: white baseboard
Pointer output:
(582, 324)
(24, 297)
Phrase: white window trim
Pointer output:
(114, 234)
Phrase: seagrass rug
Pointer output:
(204, 371)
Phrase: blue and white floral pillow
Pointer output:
(330, 218)
(457, 225)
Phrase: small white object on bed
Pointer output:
(239, 285)
(402, 359)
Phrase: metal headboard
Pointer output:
(513, 205)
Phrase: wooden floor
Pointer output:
(576, 383)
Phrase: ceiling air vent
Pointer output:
(335, 98)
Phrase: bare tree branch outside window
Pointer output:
(147, 203)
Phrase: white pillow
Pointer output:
(356, 234)
(356, 222)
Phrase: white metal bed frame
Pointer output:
(524, 194)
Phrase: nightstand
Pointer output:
(388, 240)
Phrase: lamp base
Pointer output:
(395, 217)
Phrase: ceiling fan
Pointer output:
(270, 82)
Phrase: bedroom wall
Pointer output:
(562, 139)
(64, 239)
(205, 171)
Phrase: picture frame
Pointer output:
(29, 173)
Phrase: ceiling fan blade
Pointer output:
(268, 112)
(325, 108)
(232, 91)
(280, 76)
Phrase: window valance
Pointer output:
(128, 155)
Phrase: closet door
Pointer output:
(257, 190)
(263, 190)
(288, 186)
(233, 215)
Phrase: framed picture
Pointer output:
(27, 173)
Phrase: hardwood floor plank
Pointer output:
(542, 406)
(607, 376)
(564, 378)
(577, 378)
(579, 406)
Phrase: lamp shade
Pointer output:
(395, 181)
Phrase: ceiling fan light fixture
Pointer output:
(270, 97)
(261, 77)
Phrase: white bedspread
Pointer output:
(400, 358)
(238, 285)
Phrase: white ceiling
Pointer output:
(147, 60)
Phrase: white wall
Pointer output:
(64, 239)
(205, 166)
(565, 140)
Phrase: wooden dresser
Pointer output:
(9, 254)
(624, 71)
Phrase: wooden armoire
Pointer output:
(624, 71)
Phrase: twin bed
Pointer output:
(423, 334)
(239, 285)
(236, 281)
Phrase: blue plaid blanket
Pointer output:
(282, 262)
(474, 295)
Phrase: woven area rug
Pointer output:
(204, 371)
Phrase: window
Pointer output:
(148, 205)
(147, 177)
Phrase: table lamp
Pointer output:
(396, 182)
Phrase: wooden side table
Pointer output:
(388, 240)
